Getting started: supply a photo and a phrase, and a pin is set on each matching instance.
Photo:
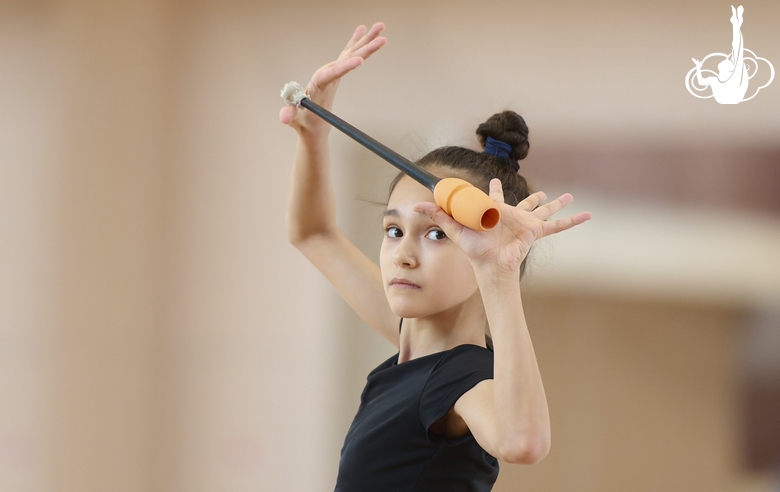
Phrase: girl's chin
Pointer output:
(408, 312)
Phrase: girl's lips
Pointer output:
(403, 284)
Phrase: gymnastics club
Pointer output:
(458, 198)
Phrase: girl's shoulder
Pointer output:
(468, 351)
(463, 360)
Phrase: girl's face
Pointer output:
(423, 272)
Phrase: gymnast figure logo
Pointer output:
(730, 84)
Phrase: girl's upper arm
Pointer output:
(476, 409)
(356, 278)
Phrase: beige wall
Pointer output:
(158, 333)
(642, 395)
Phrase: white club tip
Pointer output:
(293, 93)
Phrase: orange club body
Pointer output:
(467, 204)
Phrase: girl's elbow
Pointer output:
(293, 232)
(295, 237)
(525, 451)
(296, 233)
(530, 456)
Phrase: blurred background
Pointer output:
(158, 333)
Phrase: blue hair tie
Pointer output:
(497, 147)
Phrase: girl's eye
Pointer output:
(436, 234)
(393, 231)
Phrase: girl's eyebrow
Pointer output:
(394, 213)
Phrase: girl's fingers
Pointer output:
(550, 209)
(359, 32)
(496, 190)
(362, 45)
(556, 226)
(372, 34)
(370, 48)
(532, 201)
(322, 86)
(287, 114)
(361, 38)
(542, 213)
(450, 226)
(333, 72)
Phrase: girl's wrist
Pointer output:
(492, 274)
(313, 135)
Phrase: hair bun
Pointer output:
(508, 127)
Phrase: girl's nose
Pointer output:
(404, 255)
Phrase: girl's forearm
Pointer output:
(311, 206)
(520, 404)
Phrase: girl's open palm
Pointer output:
(506, 245)
(323, 84)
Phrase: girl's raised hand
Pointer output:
(506, 245)
(323, 84)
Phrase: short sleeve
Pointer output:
(455, 374)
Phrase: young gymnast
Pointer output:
(440, 413)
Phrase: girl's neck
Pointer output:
(442, 331)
